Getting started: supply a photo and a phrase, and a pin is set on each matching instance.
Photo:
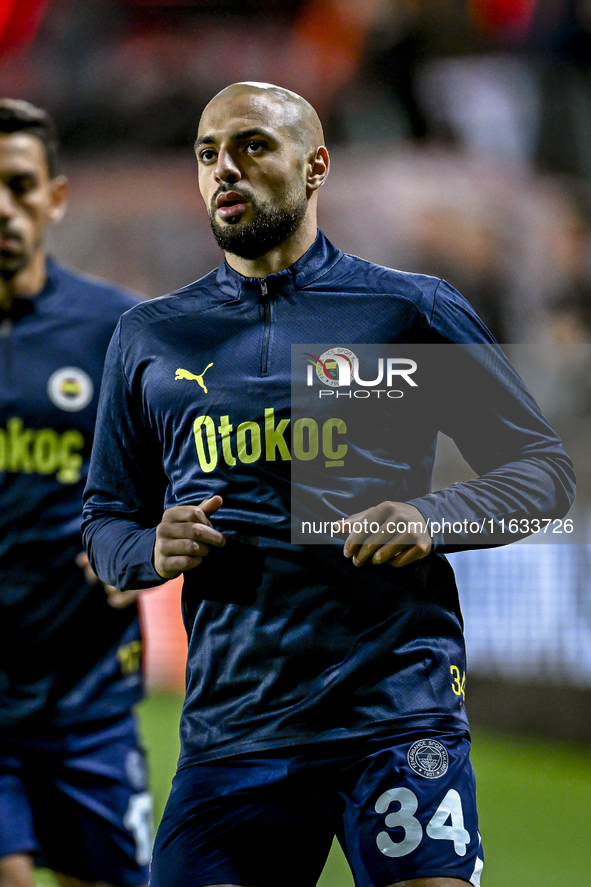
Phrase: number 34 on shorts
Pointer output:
(446, 824)
(419, 815)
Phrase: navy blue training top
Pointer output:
(65, 655)
(288, 643)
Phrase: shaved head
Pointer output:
(261, 162)
(293, 111)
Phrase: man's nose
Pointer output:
(227, 169)
(6, 202)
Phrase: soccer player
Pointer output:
(325, 694)
(72, 775)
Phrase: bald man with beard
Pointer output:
(325, 694)
(272, 211)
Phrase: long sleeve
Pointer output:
(123, 500)
(524, 472)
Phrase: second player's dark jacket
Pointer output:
(65, 655)
(292, 643)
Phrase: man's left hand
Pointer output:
(391, 532)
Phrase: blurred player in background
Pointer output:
(325, 694)
(73, 793)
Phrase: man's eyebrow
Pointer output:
(240, 136)
(204, 140)
(251, 133)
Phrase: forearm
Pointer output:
(121, 552)
(478, 513)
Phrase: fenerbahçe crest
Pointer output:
(428, 758)
(70, 389)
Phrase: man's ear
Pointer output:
(318, 166)
(59, 196)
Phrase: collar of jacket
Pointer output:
(315, 263)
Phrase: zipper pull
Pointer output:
(264, 288)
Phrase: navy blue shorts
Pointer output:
(75, 798)
(401, 808)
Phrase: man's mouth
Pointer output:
(230, 204)
(9, 241)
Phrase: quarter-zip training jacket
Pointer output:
(291, 643)
(66, 656)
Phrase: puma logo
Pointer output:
(185, 374)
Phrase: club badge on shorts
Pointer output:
(428, 758)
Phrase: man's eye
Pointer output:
(253, 147)
(207, 156)
(21, 185)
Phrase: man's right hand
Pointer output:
(184, 536)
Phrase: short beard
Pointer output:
(10, 267)
(269, 228)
